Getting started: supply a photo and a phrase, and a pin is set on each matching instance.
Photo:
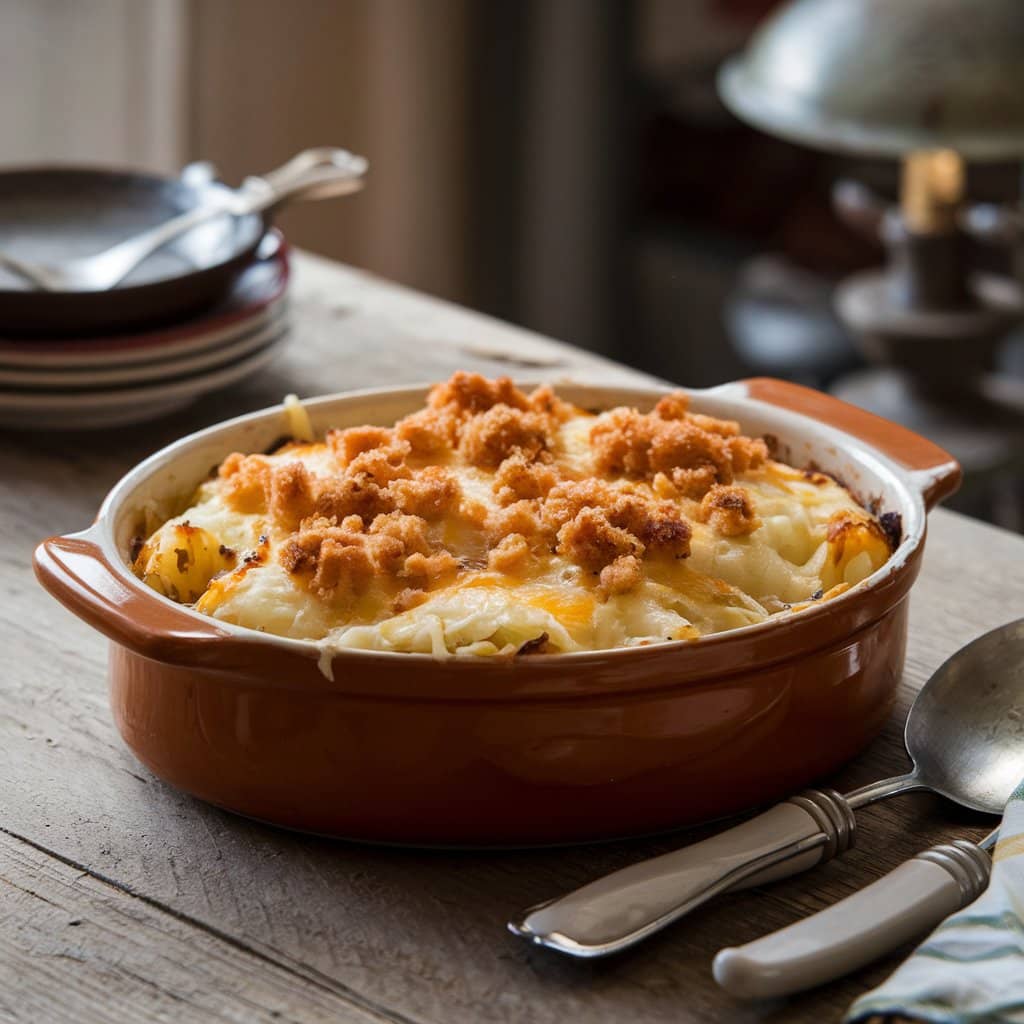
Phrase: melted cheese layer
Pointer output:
(812, 542)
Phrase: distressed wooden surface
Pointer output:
(123, 900)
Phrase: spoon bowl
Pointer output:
(965, 731)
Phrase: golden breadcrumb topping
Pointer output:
(489, 483)
(693, 451)
(729, 510)
(369, 517)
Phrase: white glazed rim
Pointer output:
(908, 485)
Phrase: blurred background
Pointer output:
(563, 164)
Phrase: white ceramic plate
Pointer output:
(229, 349)
(116, 407)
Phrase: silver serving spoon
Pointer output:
(312, 174)
(965, 736)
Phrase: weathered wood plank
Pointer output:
(418, 933)
(74, 948)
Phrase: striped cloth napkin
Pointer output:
(970, 970)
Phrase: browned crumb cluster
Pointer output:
(622, 575)
(518, 477)
(682, 452)
(489, 437)
(591, 523)
(729, 510)
(488, 408)
(380, 512)
(346, 557)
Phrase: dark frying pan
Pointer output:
(52, 214)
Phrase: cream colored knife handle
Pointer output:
(619, 910)
(851, 933)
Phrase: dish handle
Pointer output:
(932, 469)
(77, 572)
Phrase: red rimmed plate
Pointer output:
(256, 299)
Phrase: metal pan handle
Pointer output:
(312, 174)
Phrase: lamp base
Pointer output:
(951, 344)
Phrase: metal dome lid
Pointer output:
(882, 77)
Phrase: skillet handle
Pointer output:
(932, 469)
(75, 570)
(313, 174)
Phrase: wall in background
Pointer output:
(96, 81)
(386, 78)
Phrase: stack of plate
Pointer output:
(128, 377)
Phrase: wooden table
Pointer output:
(123, 900)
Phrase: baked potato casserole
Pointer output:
(498, 522)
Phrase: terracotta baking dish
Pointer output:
(539, 749)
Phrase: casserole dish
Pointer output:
(400, 747)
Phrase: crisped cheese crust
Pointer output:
(492, 518)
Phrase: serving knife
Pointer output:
(907, 902)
